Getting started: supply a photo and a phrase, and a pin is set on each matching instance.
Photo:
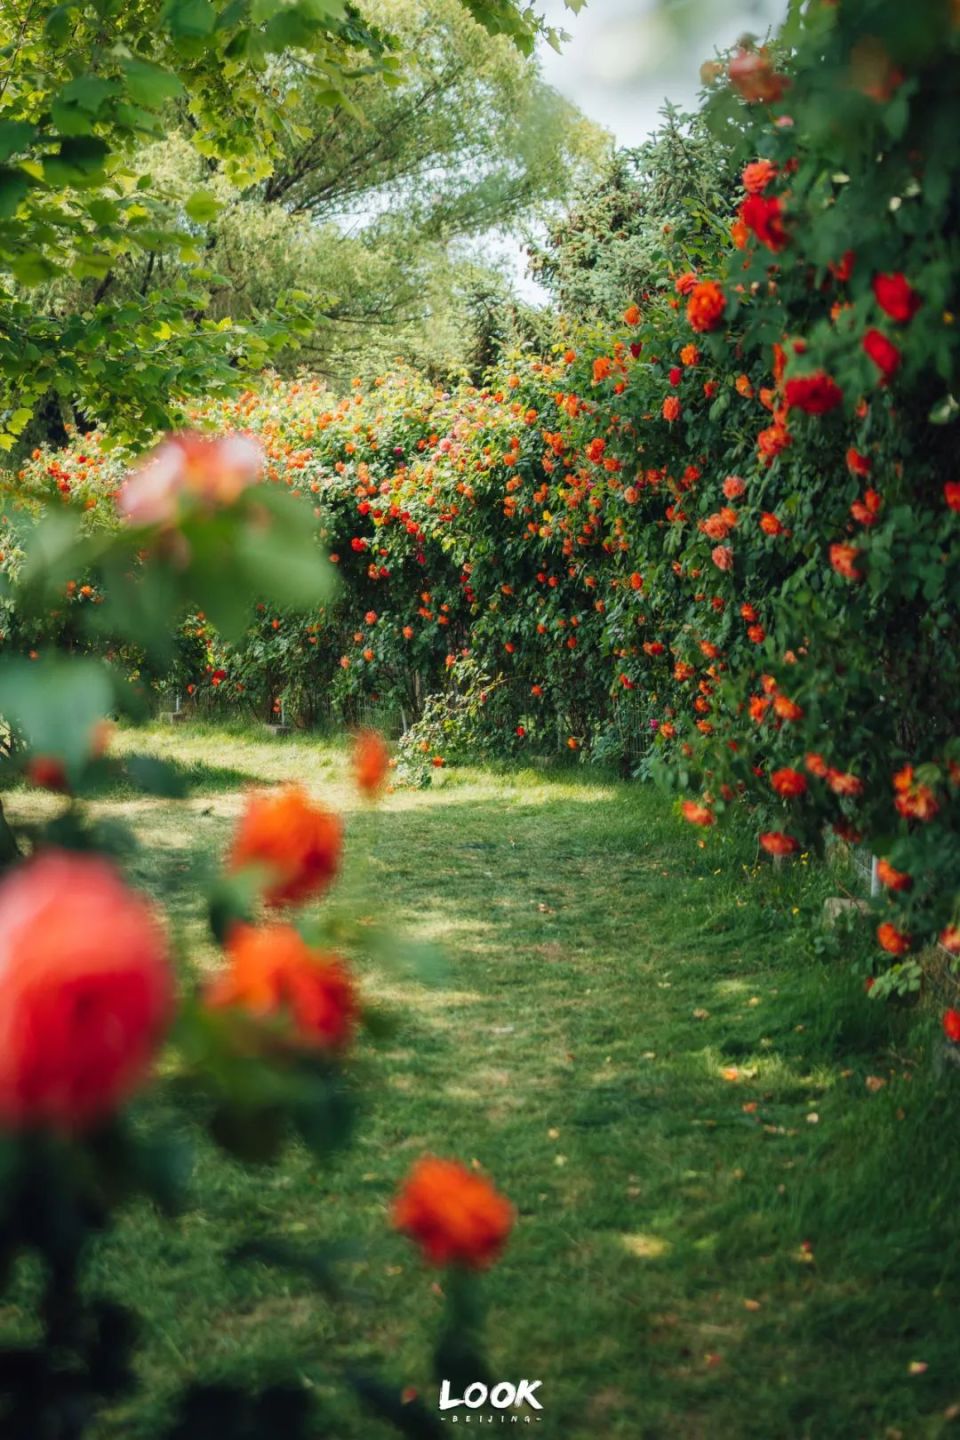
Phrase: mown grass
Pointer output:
(724, 1230)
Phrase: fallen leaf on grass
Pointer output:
(645, 1247)
(874, 1083)
(700, 1014)
(752, 1305)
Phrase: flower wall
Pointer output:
(721, 537)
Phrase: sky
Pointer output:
(626, 57)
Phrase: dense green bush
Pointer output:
(721, 536)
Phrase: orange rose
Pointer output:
(775, 842)
(273, 971)
(893, 879)
(697, 814)
(844, 558)
(786, 708)
(706, 306)
(892, 940)
(85, 991)
(842, 783)
(913, 800)
(751, 73)
(758, 175)
(454, 1215)
(371, 761)
(788, 783)
(299, 843)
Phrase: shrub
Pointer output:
(727, 528)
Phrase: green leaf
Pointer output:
(59, 23)
(55, 703)
(202, 207)
(81, 97)
(79, 162)
(33, 269)
(15, 135)
(150, 85)
(945, 411)
(190, 19)
(14, 185)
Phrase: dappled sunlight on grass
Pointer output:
(632, 1035)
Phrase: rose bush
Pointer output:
(721, 537)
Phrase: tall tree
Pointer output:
(83, 86)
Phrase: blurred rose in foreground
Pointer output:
(295, 840)
(215, 470)
(274, 972)
(453, 1214)
(85, 991)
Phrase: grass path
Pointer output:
(725, 1230)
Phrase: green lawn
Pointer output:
(724, 1230)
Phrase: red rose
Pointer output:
(951, 1025)
(764, 217)
(85, 991)
(882, 352)
(815, 394)
(858, 464)
(897, 297)
(842, 269)
(951, 493)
